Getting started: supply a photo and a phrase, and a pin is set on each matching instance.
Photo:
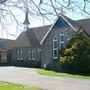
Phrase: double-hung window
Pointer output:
(68, 38)
(62, 40)
(55, 47)
(19, 55)
(32, 55)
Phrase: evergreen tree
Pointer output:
(76, 57)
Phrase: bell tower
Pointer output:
(26, 21)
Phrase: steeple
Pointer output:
(26, 21)
(62, 12)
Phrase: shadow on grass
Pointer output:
(60, 70)
(72, 73)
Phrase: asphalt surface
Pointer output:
(29, 77)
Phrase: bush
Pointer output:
(52, 66)
(76, 57)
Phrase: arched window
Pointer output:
(55, 47)
(62, 40)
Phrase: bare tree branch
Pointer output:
(45, 9)
(2, 1)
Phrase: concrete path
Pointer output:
(29, 77)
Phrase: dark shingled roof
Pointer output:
(5, 43)
(22, 41)
(32, 37)
(40, 32)
(85, 24)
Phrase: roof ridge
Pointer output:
(39, 27)
(64, 17)
(6, 39)
(83, 19)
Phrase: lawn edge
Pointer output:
(58, 74)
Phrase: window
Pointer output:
(62, 45)
(39, 54)
(55, 48)
(33, 55)
(68, 38)
(62, 40)
(19, 55)
(30, 54)
(61, 33)
(55, 54)
(55, 44)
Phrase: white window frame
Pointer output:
(62, 42)
(33, 56)
(19, 55)
(39, 53)
(39, 50)
(55, 49)
(30, 54)
(68, 39)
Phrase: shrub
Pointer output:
(76, 57)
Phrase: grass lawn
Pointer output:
(59, 74)
(12, 86)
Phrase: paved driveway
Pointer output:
(29, 77)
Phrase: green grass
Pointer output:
(12, 86)
(59, 74)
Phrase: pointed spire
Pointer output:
(62, 12)
(26, 21)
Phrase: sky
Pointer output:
(36, 21)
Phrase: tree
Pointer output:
(45, 9)
(76, 57)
